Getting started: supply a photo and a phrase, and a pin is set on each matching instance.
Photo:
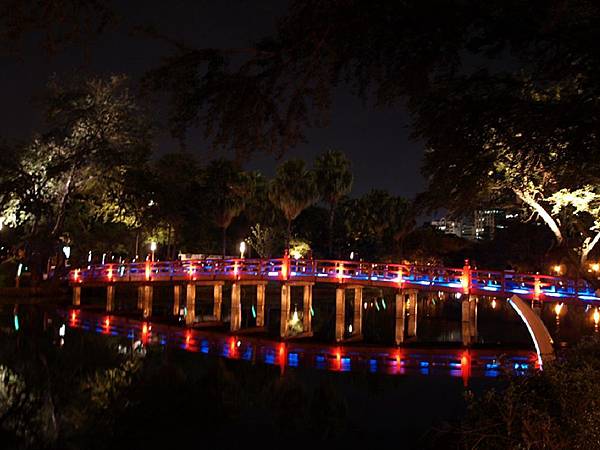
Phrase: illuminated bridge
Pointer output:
(524, 292)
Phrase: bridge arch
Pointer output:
(537, 330)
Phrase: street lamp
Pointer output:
(153, 249)
(242, 249)
(557, 269)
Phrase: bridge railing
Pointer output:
(465, 279)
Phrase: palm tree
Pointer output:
(226, 189)
(292, 190)
(334, 175)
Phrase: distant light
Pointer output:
(153, 246)
(596, 267)
(558, 308)
(596, 316)
(350, 328)
(62, 330)
(67, 251)
(351, 255)
(19, 269)
(494, 304)
(557, 269)
(17, 323)
(242, 249)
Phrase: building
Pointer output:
(481, 225)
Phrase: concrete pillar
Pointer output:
(357, 318)
(412, 313)
(236, 307)
(110, 298)
(469, 319)
(140, 302)
(217, 300)
(306, 308)
(340, 313)
(260, 304)
(190, 303)
(76, 295)
(147, 301)
(285, 309)
(176, 299)
(473, 318)
(400, 315)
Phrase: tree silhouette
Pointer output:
(334, 180)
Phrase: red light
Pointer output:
(145, 328)
(73, 316)
(107, 322)
(187, 339)
(110, 273)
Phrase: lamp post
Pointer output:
(153, 249)
(242, 249)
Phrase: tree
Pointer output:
(96, 133)
(334, 175)
(292, 190)
(262, 240)
(226, 189)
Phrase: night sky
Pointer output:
(376, 140)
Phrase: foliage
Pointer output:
(299, 249)
(334, 174)
(263, 240)
(292, 190)
(555, 408)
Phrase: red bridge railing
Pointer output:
(463, 280)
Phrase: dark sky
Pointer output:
(376, 140)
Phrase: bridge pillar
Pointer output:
(236, 307)
(469, 319)
(190, 303)
(110, 298)
(412, 313)
(147, 301)
(260, 304)
(176, 299)
(306, 308)
(285, 308)
(217, 300)
(76, 295)
(340, 313)
(357, 318)
(400, 316)
(140, 302)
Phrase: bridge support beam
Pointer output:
(236, 307)
(307, 308)
(140, 301)
(400, 316)
(176, 299)
(285, 308)
(357, 318)
(146, 301)
(110, 298)
(217, 300)
(190, 303)
(260, 304)
(76, 295)
(412, 312)
(469, 319)
(340, 313)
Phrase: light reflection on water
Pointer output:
(454, 362)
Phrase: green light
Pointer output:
(253, 312)
(376, 305)
(383, 303)
(16, 322)
(312, 311)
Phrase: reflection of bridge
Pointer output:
(349, 276)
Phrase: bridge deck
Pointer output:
(458, 280)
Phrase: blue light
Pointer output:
(16, 323)
(293, 359)
(423, 363)
(345, 364)
(492, 366)
(372, 365)
(270, 356)
(253, 312)
(204, 346)
(247, 355)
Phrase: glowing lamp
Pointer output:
(596, 267)
(66, 251)
(557, 269)
(596, 317)
(153, 246)
(109, 273)
(558, 308)
(242, 249)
